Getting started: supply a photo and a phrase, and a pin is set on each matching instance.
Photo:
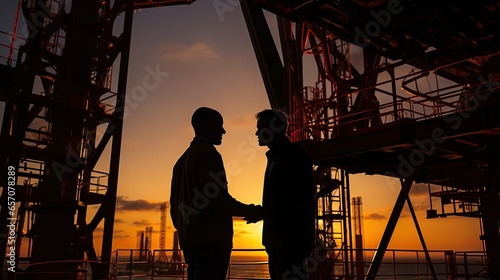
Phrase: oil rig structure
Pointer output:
(406, 89)
(63, 111)
(369, 106)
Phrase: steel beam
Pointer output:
(421, 237)
(270, 65)
(109, 204)
(389, 229)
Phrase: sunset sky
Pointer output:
(206, 59)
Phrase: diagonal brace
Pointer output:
(389, 230)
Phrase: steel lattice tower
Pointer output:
(163, 230)
(59, 98)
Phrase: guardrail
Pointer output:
(251, 264)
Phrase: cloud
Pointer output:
(123, 204)
(184, 53)
(417, 207)
(419, 190)
(420, 205)
(239, 233)
(119, 221)
(142, 223)
(374, 216)
(98, 233)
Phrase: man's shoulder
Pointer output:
(299, 148)
(200, 147)
(295, 152)
(202, 150)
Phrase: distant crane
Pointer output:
(165, 266)
(163, 231)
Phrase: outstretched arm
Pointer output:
(214, 188)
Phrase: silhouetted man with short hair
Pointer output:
(201, 207)
(288, 201)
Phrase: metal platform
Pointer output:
(370, 114)
(444, 36)
(436, 150)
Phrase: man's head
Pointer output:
(271, 126)
(207, 123)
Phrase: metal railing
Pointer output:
(80, 269)
(251, 264)
(396, 264)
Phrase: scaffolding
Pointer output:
(412, 98)
(63, 110)
(333, 220)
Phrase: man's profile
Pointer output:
(201, 206)
(288, 201)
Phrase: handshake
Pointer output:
(254, 213)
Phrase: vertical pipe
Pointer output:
(130, 263)
(450, 265)
(359, 258)
(466, 266)
(141, 246)
(153, 264)
(348, 229)
(430, 197)
(394, 95)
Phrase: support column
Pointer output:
(109, 204)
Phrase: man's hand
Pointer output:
(255, 214)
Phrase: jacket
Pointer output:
(201, 207)
(289, 202)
